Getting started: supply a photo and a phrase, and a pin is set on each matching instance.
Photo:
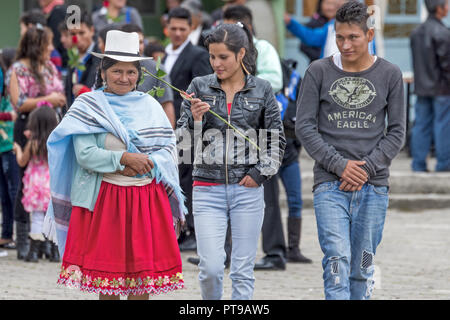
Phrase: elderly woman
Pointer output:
(114, 177)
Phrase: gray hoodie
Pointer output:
(342, 116)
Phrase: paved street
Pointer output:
(413, 262)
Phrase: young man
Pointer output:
(341, 111)
(184, 62)
(80, 81)
(430, 44)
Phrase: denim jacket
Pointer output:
(93, 161)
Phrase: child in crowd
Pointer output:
(36, 180)
(9, 172)
(155, 49)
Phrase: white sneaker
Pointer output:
(3, 253)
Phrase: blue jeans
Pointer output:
(9, 182)
(432, 122)
(292, 181)
(350, 227)
(213, 206)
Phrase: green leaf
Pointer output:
(152, 92)
(160, 92)
(70, 54)
(72, 61)
(158, 63)
(160, 74)
(141, 81)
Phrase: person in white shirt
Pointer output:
(184, 62)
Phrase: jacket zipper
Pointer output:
(227, 135)
(226, 145)
(211, 97)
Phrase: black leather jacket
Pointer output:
(430, 44)
(220, 159)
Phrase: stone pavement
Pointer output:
(412, 262)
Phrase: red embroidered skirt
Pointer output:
(126, 246)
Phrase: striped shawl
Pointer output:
(135, 118)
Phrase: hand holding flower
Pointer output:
(198, 109)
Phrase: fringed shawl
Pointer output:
(135, 118)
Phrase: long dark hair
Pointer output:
(32, 46)
(235, 37)
(6, 60)
(41, 122)
(319, 9)
(107, 63)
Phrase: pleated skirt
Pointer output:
(127, 245)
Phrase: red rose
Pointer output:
(74, 40)
(106, 4)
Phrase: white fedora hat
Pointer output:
(122, 46)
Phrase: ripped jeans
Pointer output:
(350, 227)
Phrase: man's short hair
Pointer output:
(433, 4)
(131, 27)
(239, 13)
(354, 12)
(180, 13)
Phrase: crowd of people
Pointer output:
(93, 173)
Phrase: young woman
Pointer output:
(32, 79)
(122, 150)
(227, 180)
